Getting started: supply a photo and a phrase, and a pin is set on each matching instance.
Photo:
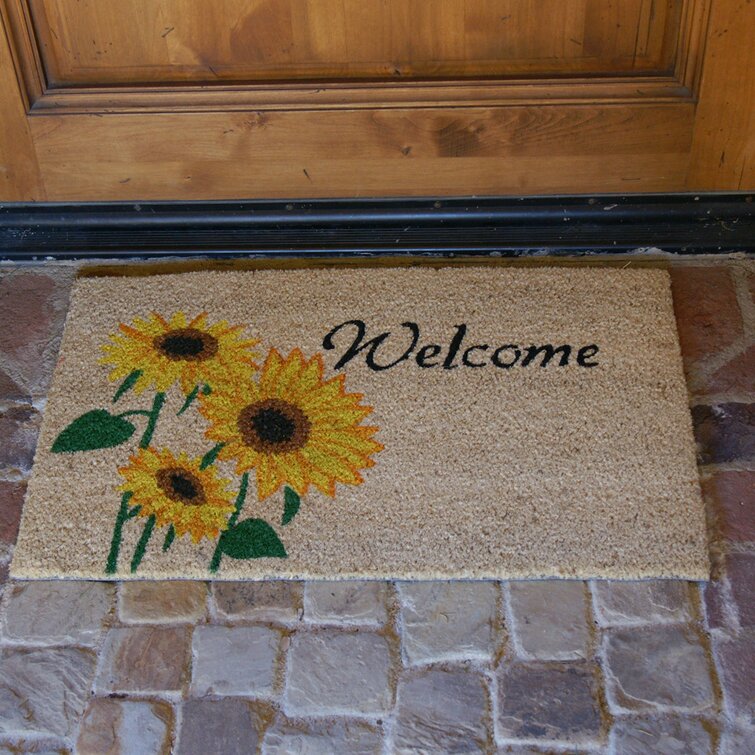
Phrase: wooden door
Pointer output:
(189, 99)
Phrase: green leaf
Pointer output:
(189, 399)
(127, 384)
(291, 503)
(210, 456)
(252, 538)
(93, 430)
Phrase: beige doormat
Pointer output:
(386, 423)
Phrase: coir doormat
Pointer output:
(381, 423)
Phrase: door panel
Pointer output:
(182, 99)
(391, 152)
(140, 41)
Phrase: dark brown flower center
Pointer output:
(273, 426)
(181, 485)
(186, 344)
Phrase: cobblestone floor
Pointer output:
(520, 667)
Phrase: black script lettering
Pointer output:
(548, 353)
(467, 361)
(371, 346)
(585, 353)
(453, 349)
(426, 353)
(496, 358)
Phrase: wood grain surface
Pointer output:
(137, 100)
(86, 43)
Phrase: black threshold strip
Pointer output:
(500, 226)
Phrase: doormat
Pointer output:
(415, 423)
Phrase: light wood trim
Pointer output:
(693, 28)
(723, 146)
(361, 153)
(369, 96)
(24, 49)
(19, 175)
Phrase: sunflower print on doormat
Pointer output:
(156, 353)
(292, 427)
(286, 424)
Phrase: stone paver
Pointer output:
(441, 711)
(551, 702)
(227, 727)
(57, 612)
(729, 600)
(10, 390)
(731, 493)
(347, 602)
(278, 601)
(34, 304)
(707, 311)
(19, 427)
(126, 727)
(737, 671)
(724, 432)
(549, 620)
(144, 659)
(234, 660)
(661, 736)
(36, 745)
(11, 500)
(45, 690)
(448, 620)
(647, 602)
(736, 376)
(740, 576)
(719, 607)
(736, 739)
(162, 602)
(322, 737)
(657, 667)
(333, 672)
(4, 566)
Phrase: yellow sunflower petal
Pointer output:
(327, 461)
(292, 468)
(268, 477)
(270, 370)
(199, 321)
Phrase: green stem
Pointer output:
(141, 546)
(211, 456)
(240, 498)
(170, 536)
(127, 384)
(115, 543)
(189, 399)
(123, 512)
(154, 414)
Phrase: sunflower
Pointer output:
(190, 352)
(178, 492)
(292, 426)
